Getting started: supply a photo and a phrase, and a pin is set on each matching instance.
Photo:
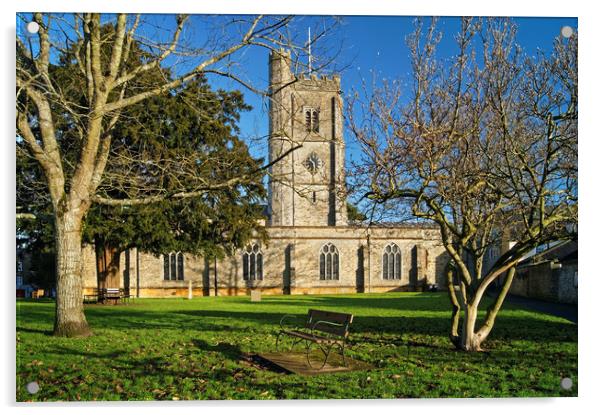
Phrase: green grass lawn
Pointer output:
(195, 349)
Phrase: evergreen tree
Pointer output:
(168, 142)
(195, 124)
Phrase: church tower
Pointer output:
(307, 185)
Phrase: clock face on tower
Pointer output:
(313, 163)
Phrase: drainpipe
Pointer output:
(215, 275)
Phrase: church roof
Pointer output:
(561, 252)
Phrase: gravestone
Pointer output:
(255, 295)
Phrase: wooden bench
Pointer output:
(37, 293)
(326, 329)
(109, 294)
(113, 294)
(125, 296)
(92, 298)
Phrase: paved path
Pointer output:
(567, 311)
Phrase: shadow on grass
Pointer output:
(31, 330)
(234, 352)
(205, 347)
(263, 317)
(161, 366)
(418, 302)
(228, 350)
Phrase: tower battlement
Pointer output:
(324, 82)
(280, 72)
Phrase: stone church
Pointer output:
(312, 247)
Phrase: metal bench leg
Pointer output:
(326, 354)
(296, 342)
(278, 341)
(342, 347)
(280, 336)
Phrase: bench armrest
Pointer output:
(284, 317)
(325, 323)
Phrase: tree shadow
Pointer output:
(234, 352)
(419, 302)
(228, 350)
(419, 315)
(32, 330)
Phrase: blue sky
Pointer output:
(374, 46)
(368, 48)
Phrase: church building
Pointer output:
(312, 247)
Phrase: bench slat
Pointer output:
(315, 316)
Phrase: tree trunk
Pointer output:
(107, 265)
(70, 320)
(495, 307)
(470, 340)
(470, 337)
(455, 318)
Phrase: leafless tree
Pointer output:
(485, 146)
(109, 86)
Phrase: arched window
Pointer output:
(329, 262)
(308, 120)
(252, 263)
(173, 266)
(312, 120)
(391, 262)
(180, 260)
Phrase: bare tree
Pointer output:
(103, 60)
(485, 146)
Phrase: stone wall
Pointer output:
(520, 283)
(291, 265)
(142, 274)
(567, 283)
(89, 269)
(544, 283)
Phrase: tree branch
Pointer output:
(191, 194)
